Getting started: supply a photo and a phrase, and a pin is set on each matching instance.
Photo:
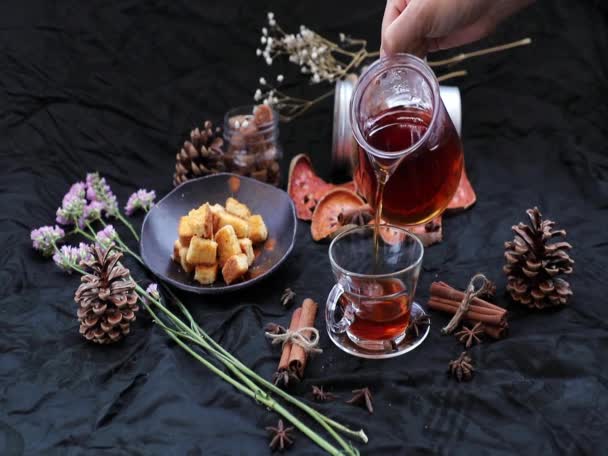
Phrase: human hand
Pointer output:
(421, 26)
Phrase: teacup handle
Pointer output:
(347, 319)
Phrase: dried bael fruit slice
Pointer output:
(325, 219)
(429, 233)
(464, 197)
(305, 188)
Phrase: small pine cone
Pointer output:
(200, 156)
(106, 297)
(533, 264)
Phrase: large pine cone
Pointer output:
(107, 298)
(533, 264)
(201, 156)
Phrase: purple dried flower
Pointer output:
(152, 290)
(72, 206)
(92, 211)
(69, 256)
(141, 199)
(45, 237)
(97, 189)
(106, 237)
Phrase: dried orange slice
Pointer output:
(325, 217)
(464, 197)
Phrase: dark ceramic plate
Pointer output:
(159, 230)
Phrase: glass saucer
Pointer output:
(406, 344)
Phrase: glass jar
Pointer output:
(404, 135)
(251, 137)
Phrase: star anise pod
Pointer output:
(287, 297)
(468, 336)
(461, 368)
(321, 396)
(363, 397)
(280, 436)
(274, 328)
(490, 290)
(285, 378)
(421, 321)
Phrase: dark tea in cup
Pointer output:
(380, 309)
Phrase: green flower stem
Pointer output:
(125, 248)
(120, 217)
(241, 370)
(91, 230)
(219, 350)
(253, 390)
(83, 233)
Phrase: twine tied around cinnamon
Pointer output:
(479, 284)
(298, 337)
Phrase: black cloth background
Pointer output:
(116, 86)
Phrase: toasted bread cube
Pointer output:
(241, 227)
(202, 251)
(236, 208)
(205, 274)
(183, 261)
(247, 249)
(216, 210)
(201, 221)
(235, 268)
(185, 231)
(227, 244)
(176, 248)
(257, 229)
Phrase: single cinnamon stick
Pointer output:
(443, 290)
(473, 313)
(293, 326)
(298, 357)
(474, 307)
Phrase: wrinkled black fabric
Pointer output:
(116, 86)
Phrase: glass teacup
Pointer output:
(375, 288)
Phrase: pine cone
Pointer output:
(107, 298)
(201, 156)
(533, 264)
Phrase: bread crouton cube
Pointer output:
(227, 244)
(257, 229)
(236, 266)
(247, 249)
(216, 210)
(241, 227)
(201, 251)
(201, 221)
(183, 261)
(205, 274)
(185, 231)
(176, 248)
(234, 207)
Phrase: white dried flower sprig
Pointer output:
(317, 57)
(323, 60)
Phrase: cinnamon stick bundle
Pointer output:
(297, 356)
(294, 356)
(447, 299)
